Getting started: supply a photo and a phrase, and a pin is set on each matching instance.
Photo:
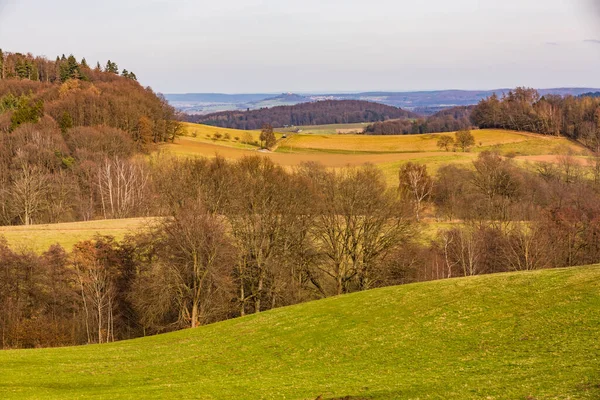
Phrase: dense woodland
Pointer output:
(68, 133)
(317, 113)
(449, 120)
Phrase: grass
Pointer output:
(40, 237)
(206, 134)
(523, 336)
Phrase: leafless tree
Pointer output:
(416, 184)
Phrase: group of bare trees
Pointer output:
(524, 110)
(47, 176)
(247, 236)
(449, 120)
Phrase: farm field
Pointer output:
(40, 237)
(518, 335)
(332, 129)
(387, 152)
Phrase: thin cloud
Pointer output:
(552, 43)
(595, 41)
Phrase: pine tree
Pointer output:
(112, 67)
(65, 122)
(73, 68)
(1, 64)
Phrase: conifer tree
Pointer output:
(1, 64)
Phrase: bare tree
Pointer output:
(29, 192)
(190, 278)
(121, 185)
(416, 184)
(357, 223)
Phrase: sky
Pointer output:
(275, 46)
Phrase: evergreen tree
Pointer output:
(112, 67)
(27, 111)
(73, 68)
(65, 122)
(1, 64)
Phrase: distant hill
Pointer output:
(421, 102)
(314, 113)
(590, 94)
(208, 103)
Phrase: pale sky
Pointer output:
(272, 46)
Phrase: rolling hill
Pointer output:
(315, 113)
(387, 152)
(525, 335)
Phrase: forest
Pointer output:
(448, 120)
(67, 133)
(315, 113)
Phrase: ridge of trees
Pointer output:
(449, 120)
(523, 109)
(313, 113)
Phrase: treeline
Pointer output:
(64, 144)
(449, 120)
(248, 236)
(37, 68)
(523, 109)
(316, 113)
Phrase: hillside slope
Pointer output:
(520, 336)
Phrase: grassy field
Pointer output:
(40, 237)
(387, 152)
(327, 129)
(523, 336)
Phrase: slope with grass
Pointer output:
(530, 335)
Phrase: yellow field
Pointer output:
(197, 133)
(519, 142)
(40, 237)
(388, 152)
